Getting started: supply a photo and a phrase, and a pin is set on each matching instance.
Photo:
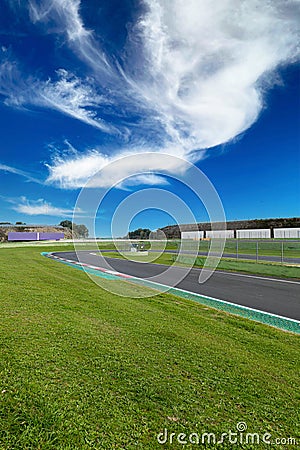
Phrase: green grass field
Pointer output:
(84, 369)
(266, 247)
(226, 264)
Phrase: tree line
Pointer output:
(78, 231)
(140, 233)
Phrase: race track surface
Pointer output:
(273, 295)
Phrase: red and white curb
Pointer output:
(280, 321)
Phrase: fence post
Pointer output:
(256, 251)
(237, 248)
(282, 243)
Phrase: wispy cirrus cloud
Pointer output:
(74, 173)
(66, 19)
(193, 76)
(9, 169)
(40, 207)
(199, 71)
(73, 97)
(67, 94)
(204, 66)
(64, 12)
(147, 179)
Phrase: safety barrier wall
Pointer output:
(196, 235)
(219, 234)
(260, 233)
(287, 233)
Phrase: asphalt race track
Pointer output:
(232, 255)
(273, 295)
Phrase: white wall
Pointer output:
(195, 235)
(220, 234)
(253, 234)
(286, 233)
(260, 233)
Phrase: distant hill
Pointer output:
(173, 231)
(5, 229)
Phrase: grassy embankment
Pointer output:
(84, 369)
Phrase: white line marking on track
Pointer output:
(231, 273)
(258, 277)
(216, 272)
(206, 296)
(236, 274)
(224, 301)
(218, 299)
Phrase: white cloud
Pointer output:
(205, 63)
(9, 169)
(149, 179)
(66, 11)
(194, 71)
(41, 208)
(68, 94)
(74, 97)
(199, 68)
(75, 172)
(66, 15)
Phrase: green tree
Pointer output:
(80, 231)
(66, 224)
(140, 233)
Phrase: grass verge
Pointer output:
(84, 369)
(226, 264)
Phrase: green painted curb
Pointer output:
(266, 318)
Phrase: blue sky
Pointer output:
(83, 83)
